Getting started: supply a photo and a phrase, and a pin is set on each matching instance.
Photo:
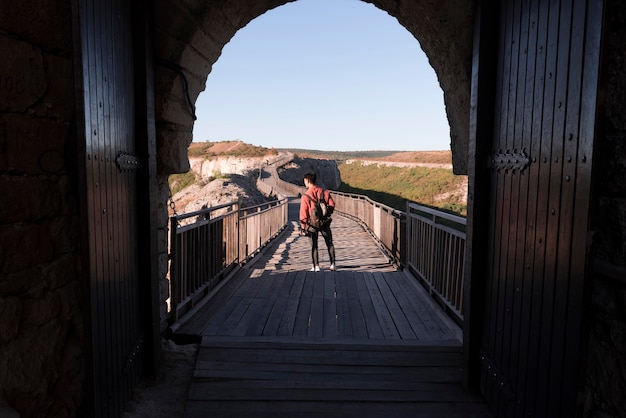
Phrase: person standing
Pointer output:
(307, 204)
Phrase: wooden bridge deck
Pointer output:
(363, 341)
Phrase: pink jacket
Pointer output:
(306, 205)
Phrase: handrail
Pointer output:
(431, 243)
(385, 223)
(436, 254)
(259, 224)
(202, 253)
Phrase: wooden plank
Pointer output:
(498, 214)
(242, 293)
(567, 315)
(251, 302)
(322, 356)
(330, 306)
(262, 409)
(543, 96)
(320, 382)
(267, 302)
(261, 306)
(531, 129)
(271, 374)
(515, 239)
(425, 309)
(288, 320)
(506, 197)
(195, 324)
(479, 225)
(357, 320)
(316, 324)
(277, 371)
(344, 319)
(301, 325)
(583, 161)
(374, 330)
(397, 314)
(308, 374)
(420, 329)
(212, 391)
(380, 307)
(551, 299)
(276, 315)
(339, 344)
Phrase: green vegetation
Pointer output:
(210, 150)
(251, 151)
(179, 181)
(339, 155)
(201, 149)
(219, 175)
(429, 157)
(393, 186)
(389, 185)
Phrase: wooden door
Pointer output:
(110, 207)
(539, 173)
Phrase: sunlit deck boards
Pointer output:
(366, 298)
(363, 341)
(354, 247)
(328, 306)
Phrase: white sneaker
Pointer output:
(316, 268)
(332, 267)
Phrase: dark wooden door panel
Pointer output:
(110, 201)
(547, 70)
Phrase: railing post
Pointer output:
(239, 230)
(173, 255)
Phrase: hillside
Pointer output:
(393, 186)
(227, 170)
(228, 148)
(426, 157)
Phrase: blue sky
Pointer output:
(335, 75)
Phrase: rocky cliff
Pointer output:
(328, 175)
(237, 180)
(211, 168)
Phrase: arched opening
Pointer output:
(191, 38)
(319, 75)
(261, 62)
(183, 107)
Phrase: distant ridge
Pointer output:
(228, 148)
(423, 157)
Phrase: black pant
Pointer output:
(328, 238)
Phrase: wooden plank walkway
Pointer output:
(363, 341)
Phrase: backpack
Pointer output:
(320, 215)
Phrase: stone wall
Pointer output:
(41, 328)
(163, 256)
(327, 172)
(605, 388)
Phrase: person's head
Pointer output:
(310, 178)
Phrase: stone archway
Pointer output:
(189, 39)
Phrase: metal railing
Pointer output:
(385, 223)
(214, 241)
(436, 254)
(208, 244)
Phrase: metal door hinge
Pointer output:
(509, 161)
